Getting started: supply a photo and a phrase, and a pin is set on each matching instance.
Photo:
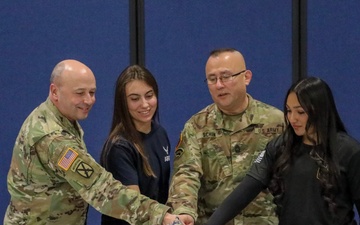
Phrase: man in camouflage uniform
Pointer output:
(218, 144)
(52, 178)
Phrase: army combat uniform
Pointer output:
(213, 155)
(52, 178)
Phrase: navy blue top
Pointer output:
(125, 163)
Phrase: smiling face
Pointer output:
(229, 96)
(297, 117)
(73, 91)
(142, 104)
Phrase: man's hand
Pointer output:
(186, 219)
(168, 219)
(183, 219)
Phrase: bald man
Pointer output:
(218, 144)
(52, 178)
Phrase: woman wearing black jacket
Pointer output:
(313, 169)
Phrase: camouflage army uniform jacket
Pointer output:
(213, 155)
(52, 178)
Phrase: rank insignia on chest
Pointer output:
(208, 134)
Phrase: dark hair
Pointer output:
(122, 123)
(317, 100)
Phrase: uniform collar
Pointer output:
(62, 120)
(233, 123)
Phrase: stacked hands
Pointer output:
(183, 219)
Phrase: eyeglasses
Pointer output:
(223, 78)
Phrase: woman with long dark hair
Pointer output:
(312, 169)
(137, 150)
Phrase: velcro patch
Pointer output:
(179, 152)
(84, 169)
(67, 159)
(179, 141)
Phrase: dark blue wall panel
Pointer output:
(34, 36)
(178, 39)
(180, 35)
(334, 53)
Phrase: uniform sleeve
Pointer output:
(122, 163)
(69, 160)
(187, 170)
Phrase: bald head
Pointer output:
(68, 67)
(230, 54)
(72, 89)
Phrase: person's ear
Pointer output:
(248, 76)
(54, 91)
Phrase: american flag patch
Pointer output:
(67, 159)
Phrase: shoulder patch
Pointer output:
(179, 142)
(179, 151)
(84, 169)
(260, 157)
(67, 159)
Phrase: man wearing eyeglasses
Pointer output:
(218, 144)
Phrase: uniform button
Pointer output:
(237, 148)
